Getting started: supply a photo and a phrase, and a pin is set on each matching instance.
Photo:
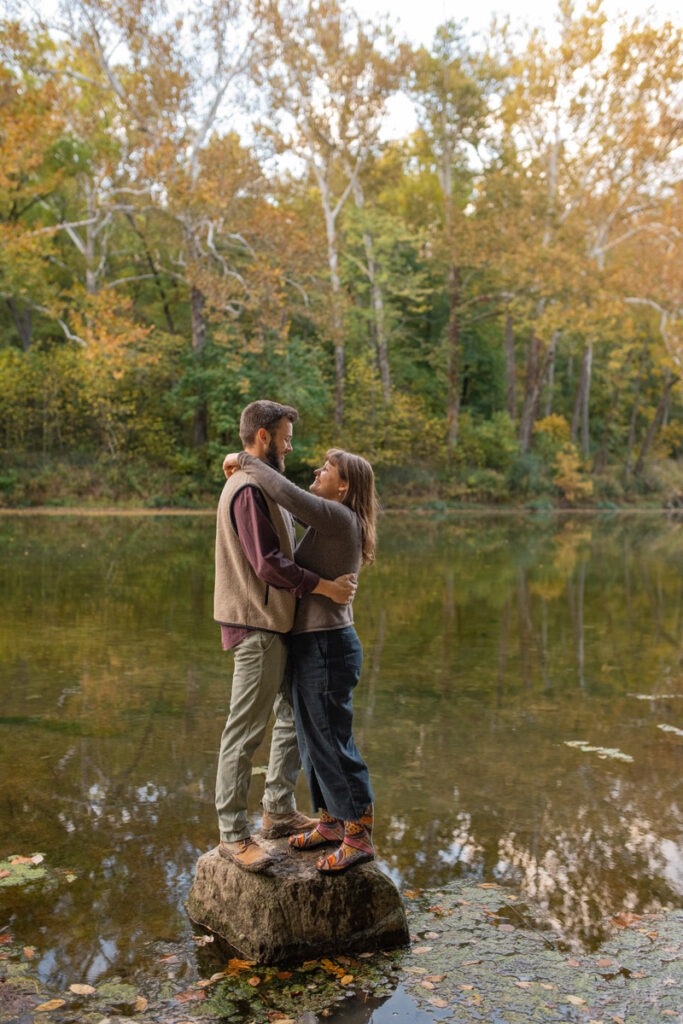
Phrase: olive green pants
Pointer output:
(259, 686)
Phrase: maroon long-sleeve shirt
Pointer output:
(261, 545)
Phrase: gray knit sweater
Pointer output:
(331, 545)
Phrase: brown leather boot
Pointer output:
(275, 826)
(246, 854)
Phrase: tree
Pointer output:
(453, 87)
(328, 84)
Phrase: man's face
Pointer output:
(280, 445)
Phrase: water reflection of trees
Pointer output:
(487, 643)
(548, 634)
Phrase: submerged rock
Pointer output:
(292, 912)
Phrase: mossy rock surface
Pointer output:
(292, 912)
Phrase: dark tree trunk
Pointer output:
(155, 274)
(453, 364)
(654, 426)
(585, 411)
(548, 408)
(510, 375)
(22, 322)
(200, 423)
(580, 415)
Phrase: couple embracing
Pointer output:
(285, 610)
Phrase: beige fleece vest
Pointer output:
(240, 597)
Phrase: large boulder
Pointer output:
(292, 912)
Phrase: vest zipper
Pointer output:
(266, 597)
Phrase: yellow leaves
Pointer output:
(568, 477)
(51, 1004)
(82, 990)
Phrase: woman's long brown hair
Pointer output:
(361, 495)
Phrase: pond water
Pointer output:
(521, 710)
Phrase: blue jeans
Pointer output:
(325, 670)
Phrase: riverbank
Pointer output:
(126, 484)
(476, 954)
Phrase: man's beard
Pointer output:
(274, 458)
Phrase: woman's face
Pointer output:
(328, 483)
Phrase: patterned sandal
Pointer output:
(328, 830)
(356, 848)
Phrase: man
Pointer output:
(257, 584)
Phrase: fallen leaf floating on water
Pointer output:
(435, 977)
(254, 982)
(169, 958)
(35, 858)
(602, 752)
(573, 962)
(422, 949)
(412, 894)
(488, 885)
(5, 938)
(82, 990)
(432, 935)
(576, 1000)
(346, 980)
(53, 1004)
(427, 984)
(283, 975)
(29, 952)
(438, 1002)
(190, 995)
(605, 962)
(140, 1004)
(655, 696)
(4, 873)
(506, 927)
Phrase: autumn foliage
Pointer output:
(204, 207)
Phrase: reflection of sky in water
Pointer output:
(672, 855)
(488, 645)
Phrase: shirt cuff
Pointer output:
(309, 582)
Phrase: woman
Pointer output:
(326, 653)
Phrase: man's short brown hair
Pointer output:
(263, 414)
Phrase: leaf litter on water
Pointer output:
(602, 752)
(671, 728)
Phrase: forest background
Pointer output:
(201, 206)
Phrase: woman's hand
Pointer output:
(341, 591)
(230, 464)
